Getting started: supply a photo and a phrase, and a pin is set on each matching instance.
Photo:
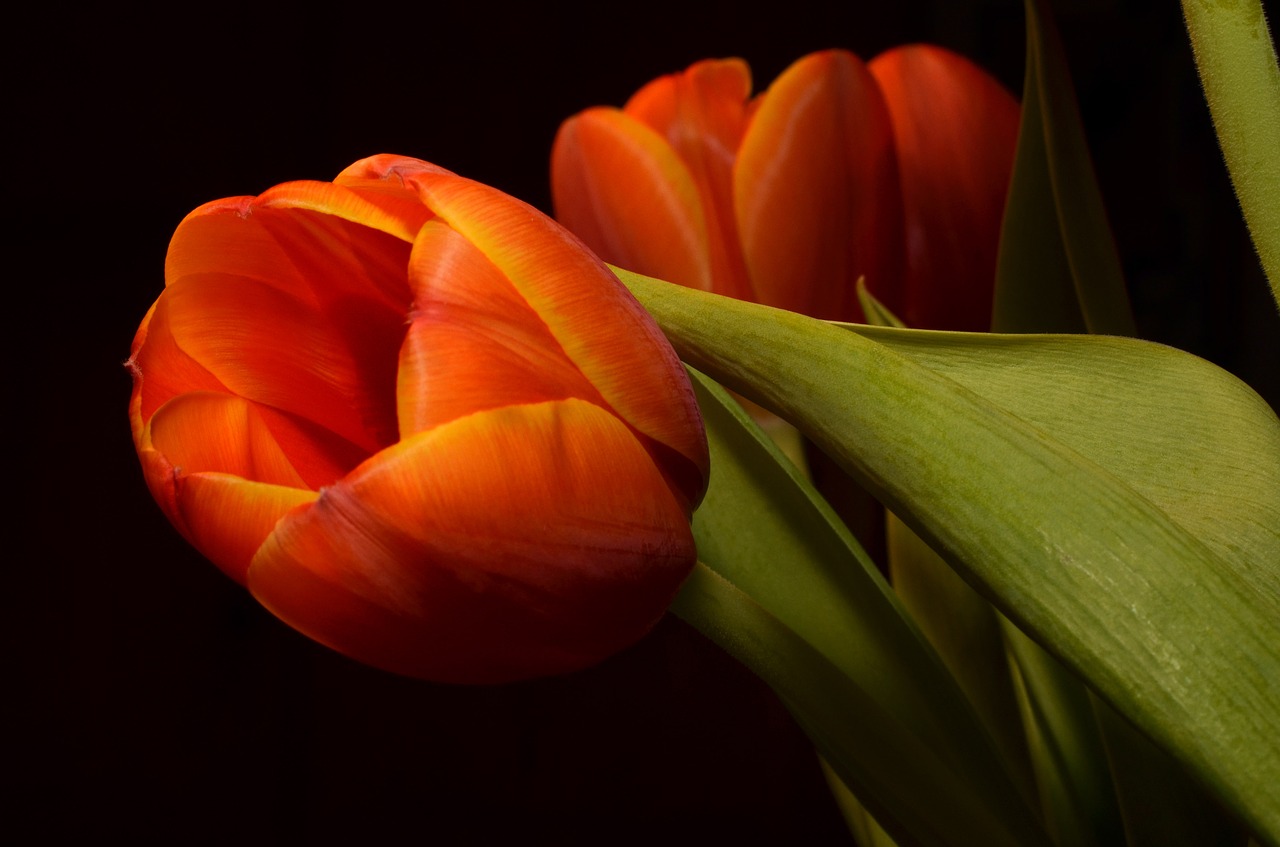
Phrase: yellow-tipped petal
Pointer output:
(596, 321)
(474, 344)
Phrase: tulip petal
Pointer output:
(269, 347)
(161, 369)
(326, 293)
(376, 205)
(203, 431)
(955, 128)
(702, 113)
(816, 190)
(219, 475)
(486, 549)
(227, 518)
(474, 343)
(595, 320)
(620, 187)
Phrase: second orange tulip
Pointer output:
(895, 170)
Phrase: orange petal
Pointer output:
(474, 343)
(956, 128)
(702, 113)
(203, 431)
(601, 328)
(514, 543)
(817, 192)
(620, 187)
(161, 369)
(219, 475)
(386, 169)
(271, 348)
(227, 518)
(338, 289)
(380, 206)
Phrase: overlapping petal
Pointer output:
(475, 347)
(702, 114)
(461, 499)
(592, 317)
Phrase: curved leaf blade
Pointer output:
(1180, 634)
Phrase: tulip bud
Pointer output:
(421, 422)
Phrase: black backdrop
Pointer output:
(149, 698)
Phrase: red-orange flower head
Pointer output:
(896, 169)
(421, 422)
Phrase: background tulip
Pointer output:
(894, 170)
(420, 422)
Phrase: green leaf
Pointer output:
(1118, 500)
(1057, 269)
(1041, 716)
(789, 592)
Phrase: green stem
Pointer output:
(1237, 63)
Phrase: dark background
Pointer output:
(149, 698)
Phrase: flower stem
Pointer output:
(1237, 63)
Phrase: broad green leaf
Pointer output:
(1041, 716)
(960, 624)
(1057, 270)
(1119, 501)
(763, 529)
(1237, 63)
(1159, 803)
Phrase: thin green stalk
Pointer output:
(1237, 63)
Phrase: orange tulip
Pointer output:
(895, 170)
(420, 422)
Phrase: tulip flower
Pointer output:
(421, 422)
(895, 171)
